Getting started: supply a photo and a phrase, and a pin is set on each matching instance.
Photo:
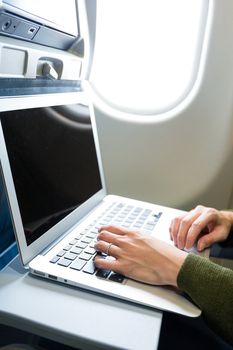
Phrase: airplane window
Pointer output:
(147, 53)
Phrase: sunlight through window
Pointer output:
(147, 52)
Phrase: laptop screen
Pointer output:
(54, 166)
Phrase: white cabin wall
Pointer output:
(185, 157)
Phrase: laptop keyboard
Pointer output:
(79, 254)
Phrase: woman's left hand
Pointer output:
(138, 256)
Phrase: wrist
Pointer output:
(176, 260)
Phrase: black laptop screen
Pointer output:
(53, 163)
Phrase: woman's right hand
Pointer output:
(203, 226)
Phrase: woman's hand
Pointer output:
(138, 256)
(201, 225)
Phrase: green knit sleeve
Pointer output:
(210, 286)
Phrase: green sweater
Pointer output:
(211, 287)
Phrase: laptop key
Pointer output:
(85, 256)
(54, 259)
(81, 245)
(90, 267)
(67, 247)
(76, 250)
(116, 277)
(64, 262)
(103, 273)
(78, 264)
(90, 250)
(91, 235)
(149, 227)
(73, 242)
(92, 244)
(70, 256)
(61, 253)
(86, 240)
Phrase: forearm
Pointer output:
(211, 287)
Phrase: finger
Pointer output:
(174, 228)
(115, 234)
(114, 229)
(107, 248)
(109, 237)
(207, 240)
(198, 226)
(107, 264)
(184, 227)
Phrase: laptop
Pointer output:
(54, 178)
